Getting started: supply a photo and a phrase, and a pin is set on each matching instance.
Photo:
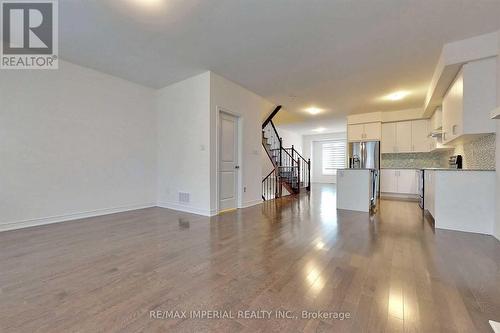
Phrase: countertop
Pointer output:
(438, 169)
(348, 169)
(448, 169)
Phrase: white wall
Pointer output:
(497, 153)
(385, 116)
(311, 146)
(267, 165)
(73, 143)
(235, 99)
(497, 156)
(290, 138)
(183, 144)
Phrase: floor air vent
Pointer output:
(183, 197)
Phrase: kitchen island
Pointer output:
(357, 189)
(461, 199)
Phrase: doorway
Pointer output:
(228, 162)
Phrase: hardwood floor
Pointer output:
(390, 272)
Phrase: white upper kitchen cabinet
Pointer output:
(406, 137)
(470, 99)
(403, 137)
(421, 141)
(372, 131)
(388, 143)
(355, 132)
(452, 109)
(364, 132)
(437, 120)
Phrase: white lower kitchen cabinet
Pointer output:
(461, 200)
(403, 182)
(388, 181)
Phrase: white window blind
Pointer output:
(333, 156)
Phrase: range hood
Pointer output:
(436, 133)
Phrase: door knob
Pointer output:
(236, 166)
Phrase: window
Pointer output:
(333, 156)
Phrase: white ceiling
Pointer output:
(338, 55)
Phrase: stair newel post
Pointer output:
(276, 180)
(308, 174)
(281, 148)
(298, 176)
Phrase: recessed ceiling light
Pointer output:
(148, 3)
(313, 110)
(397, 96)
(319, 129)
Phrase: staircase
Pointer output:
(291, 172)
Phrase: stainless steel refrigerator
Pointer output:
(366, 155)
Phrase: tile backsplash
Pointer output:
(414, 160)
(476, 154)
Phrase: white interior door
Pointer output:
(228, 162)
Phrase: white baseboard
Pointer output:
(186, 208)
(409, 197)
(69, 217)
(201, 211)
(105, 211)
(251, 203)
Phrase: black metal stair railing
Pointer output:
(270, 186)
(291, 170)
(305, 169)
